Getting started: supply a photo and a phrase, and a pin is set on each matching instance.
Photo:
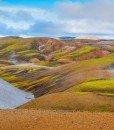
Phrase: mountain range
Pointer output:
(63, 74)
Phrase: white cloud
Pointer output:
(94, 9)
(93, 17)
(22, 17)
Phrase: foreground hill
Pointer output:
(72, 102)
(49, 120)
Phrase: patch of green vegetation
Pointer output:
(7, 44)
(109, 59)
(57, 54)
(81, 51)
(22, 53)
(28, 56)
(7, 76)
(102, 87)
(106, 94)
(13, 47)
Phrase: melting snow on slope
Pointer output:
(11, 97)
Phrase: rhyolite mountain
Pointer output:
(66, 74)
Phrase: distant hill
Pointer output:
(88, 37)
(66, 38)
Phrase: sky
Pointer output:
(56, 18)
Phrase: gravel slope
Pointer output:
(50, 120)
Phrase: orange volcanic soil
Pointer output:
(50, 120)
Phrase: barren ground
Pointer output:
(50, 120)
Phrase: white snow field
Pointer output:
(11, 97)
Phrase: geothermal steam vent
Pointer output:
(11, 97)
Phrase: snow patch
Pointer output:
(11, 97)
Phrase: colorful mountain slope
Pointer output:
(72, 70)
